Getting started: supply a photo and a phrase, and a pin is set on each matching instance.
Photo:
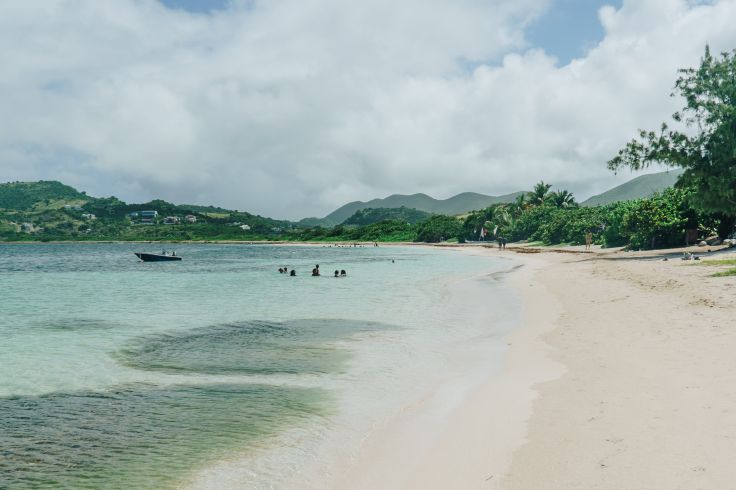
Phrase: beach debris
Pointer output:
(687, 256)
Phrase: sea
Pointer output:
(220, 372)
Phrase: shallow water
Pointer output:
(121, 374)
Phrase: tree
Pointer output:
(539, 194)
(707, 151)
(562, 199)
(438, 228)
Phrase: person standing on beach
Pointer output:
(588, 240)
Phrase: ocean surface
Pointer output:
(217, 371)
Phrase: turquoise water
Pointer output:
(121, 374)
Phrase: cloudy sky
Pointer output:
(290, 108)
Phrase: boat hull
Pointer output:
(156, 257)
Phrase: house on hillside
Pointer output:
(191, 218)
(245, 227)
(172, 220)
(89, 216)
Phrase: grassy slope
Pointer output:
(23, 196)
(637, 188)
(369, 216)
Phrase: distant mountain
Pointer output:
(369, 216)
(23, 196)
(462, 203)
(637, 188)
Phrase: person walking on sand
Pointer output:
(588, 240)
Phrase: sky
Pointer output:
(291, 108)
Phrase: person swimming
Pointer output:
(315, 271)
(337, 273)
(342, 273)
(292, 273)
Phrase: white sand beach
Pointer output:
(622, 376)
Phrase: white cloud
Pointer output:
(292, 107)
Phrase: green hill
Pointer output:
(637, 188)
(459, 204)
(23, 196)
(369, 216)
(45, 211)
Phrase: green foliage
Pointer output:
(438, 228)
(539, 194)
(659, 221)
(22, 196)
(726, 273)
(708, 151)
(562, 199)
(369, 216)
(383, 231)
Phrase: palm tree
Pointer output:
(539, 194)
(562, 199)
(519, 204)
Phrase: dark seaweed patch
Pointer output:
(254, 347)
(138, 436)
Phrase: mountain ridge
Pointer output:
(457, 204)
(636, 188)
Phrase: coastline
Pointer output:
(459, 436)
(473, 445)
(619, 376)
(647, 397)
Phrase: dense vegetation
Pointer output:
(545, 216)
(369, 216)
(706, 147)
(48, 211)
(23, 196)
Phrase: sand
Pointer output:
(648, 399)
(623, 375)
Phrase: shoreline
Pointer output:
(646, 400)
(601, 386)
(461, 436)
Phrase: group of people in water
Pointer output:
(315, 272)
